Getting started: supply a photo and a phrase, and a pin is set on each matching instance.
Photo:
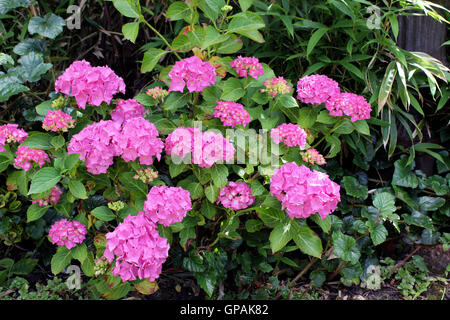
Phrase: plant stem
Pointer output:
(305, 269)
(162, 38)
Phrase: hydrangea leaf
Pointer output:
(306, 240)
(60, 259)
(44, 180)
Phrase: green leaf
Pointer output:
(385, 202)
(7, 5)
(386, 85)
(118, 292)
(195, 189)
(38, 140)
(253, 225)
(44, 107)
(403, 176)
(354, 188)
(362, 127)
(44, 180)
(211, 8)
(71, 160)
(178, 11)
(430, 203)
(317, 278)
(314, 39)
(60, 259)
(175, 100)
(6, 59)
(130, 31)
(245, 4)
(151, 58)
(324, 224)
(79, 252)
(127, 8)
(306, 240)
(5, 162)
(206, 282)
(49, 26)
(9, 86)
(280, 236)
(212, 192)
(345, 127)
(58, 142)
(353, 69)
(35, 212)
(77, 189)
(271, 217)
(345, 247)
(88, 265)
(24, 266)
(133, 185)
(103, 213)
(378, 234)
(176, 169)
(30, 45)
(232, 45)
(31, 67)
(244, 22)
(232, 90)
(213, 37)
(219, 173)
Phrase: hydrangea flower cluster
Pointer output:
(127, 109)
(157, 93)
(139, 139)
(349, 104)
(10, 133)
(88, 84)
(67, 233)
(236, 196)
(316, 89)
(57, 121)
(313, 156)
(276, 85)
(303, 192)
(167, 205)
(51, 199)
(206, 148)
(193, 73)
(247, 66)
(231, 113)
(290, 134)
(138, 249)
(97, 144)
(26, 155)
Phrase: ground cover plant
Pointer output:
(260, 174)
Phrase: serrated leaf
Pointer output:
(280, 236)
(151, 58)
(354, 188)
(306, 240)
(219, 173)
(345, 247)
(103, 213)
(43, 180)
(60, 259)
(232, 90)
(127, 8)
(77, 189)
(130, 31)
(178, 11)
(49, 26)
(35, 212)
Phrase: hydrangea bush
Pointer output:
(217, 143)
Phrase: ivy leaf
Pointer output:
(385, 202)
(30, 45)
(7, 5)
(354, 188)
(403, 176)
(378, 233)
(49, 26)
(345, 247)
(9, 86)
(430, 203)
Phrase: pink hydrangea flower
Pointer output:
(88, 84)
(97, 144)
(167, 205)
(56, 120)
(349, 104)
(313, 156)
(303, 192)
(206, 148)
(51, 199)
(316, 89)
(193, 73)
(127, 109)
(290, 134)
(236, 196)
(26, 155)
(138, 249)
(247, 66)
(157, 93)
(10, 133)
(67, 233)
(139, 139)
(231, 113)
(276, 86)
